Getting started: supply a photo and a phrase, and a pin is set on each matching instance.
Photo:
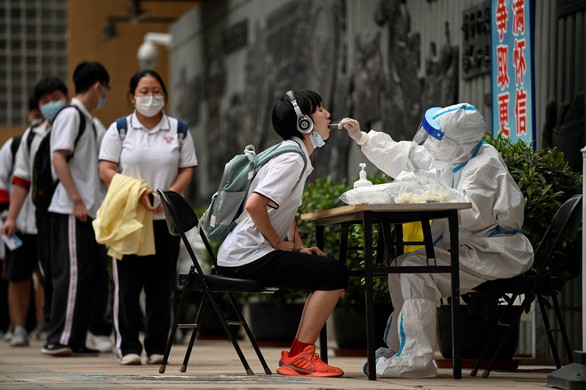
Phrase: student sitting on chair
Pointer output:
(266, 245)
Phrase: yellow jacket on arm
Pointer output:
(122, 222)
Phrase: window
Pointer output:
(32, 45)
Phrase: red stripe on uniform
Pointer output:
(21, 182)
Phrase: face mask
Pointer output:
(445, 150)
(316, 140)
(51, 109)
(149, 106)
(102, 102)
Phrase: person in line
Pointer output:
(154, 151)
(448, 142)
(78, 262)
(266, 245)
(16, 334)
(49, 96)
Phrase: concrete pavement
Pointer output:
(215, 365)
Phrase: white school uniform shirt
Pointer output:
(84, 163)
(278, 180)
(6, 167)
(154, 155)
(23, 173)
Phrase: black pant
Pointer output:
(76, 260)
(44, 252)
(100, 320)
(156, 274)
(293, 270)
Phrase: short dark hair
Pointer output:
(87, 73)
(46, 86)
(33, 103)
(284, 118)
(134, 80)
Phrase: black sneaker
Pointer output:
(85, 351)
(56, 349)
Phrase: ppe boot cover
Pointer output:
(417, 334)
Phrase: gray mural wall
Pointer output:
(231, 59)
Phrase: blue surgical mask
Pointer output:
(316, 140)
(51, 109)
(102, 102)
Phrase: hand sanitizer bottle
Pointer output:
(363, 181)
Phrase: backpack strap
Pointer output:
(29, 139)
(13, 149)
(182, 128)
(81, 126)
(276, 150)
(14, 145)
(121, 125)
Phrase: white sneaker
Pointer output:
(8, 335)
(19, 337)
(102, 343)
(131, 359)
(155, 358)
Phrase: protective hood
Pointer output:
(462, 127)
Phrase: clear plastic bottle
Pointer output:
(362, 181)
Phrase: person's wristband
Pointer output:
(298, 249)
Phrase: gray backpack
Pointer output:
(227, 204)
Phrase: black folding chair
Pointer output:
(181, 218)
(535, 283)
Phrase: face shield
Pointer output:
(429, 132)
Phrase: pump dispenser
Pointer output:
(362, 181)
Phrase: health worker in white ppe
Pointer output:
(448, 141)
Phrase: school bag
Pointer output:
(43, 185)
(182, 126)
(14, 145)
(227, 204)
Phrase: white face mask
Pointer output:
(316, 140)
(149, 106)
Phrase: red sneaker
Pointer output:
(307, 363)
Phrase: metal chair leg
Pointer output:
(493, 334)
(178, 314)
(515, 316)
(249, 334)
(549, 331)
(562, 326)
(230, 334)
(195, 327)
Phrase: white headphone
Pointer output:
(304, 122)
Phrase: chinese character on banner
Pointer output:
(502, 78)
(521, 112)
(519, 61)
(503, 109)
(518, 17)
(513, 107)
(501, 18)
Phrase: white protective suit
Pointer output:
(491, 245)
